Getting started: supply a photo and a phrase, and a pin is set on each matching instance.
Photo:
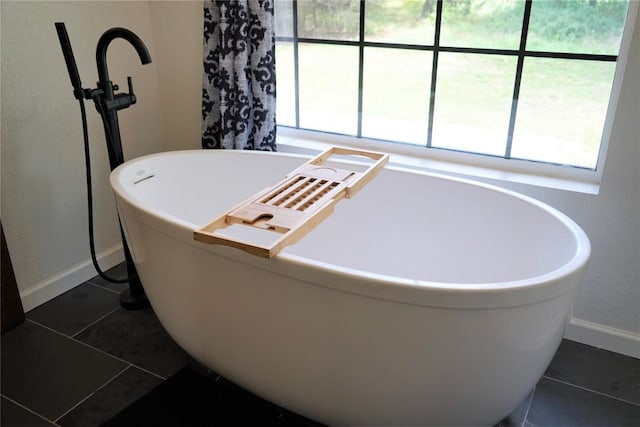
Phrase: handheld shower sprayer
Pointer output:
(69, 59)
(107, 104)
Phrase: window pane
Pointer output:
(473, 102)
(329, 19)
(561, 110)
(329, 87)
(400, 21)
(285, 80)
(593, 26)
(396, 94)
(495, 24)
(284, 18)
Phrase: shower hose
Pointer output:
(92, 246)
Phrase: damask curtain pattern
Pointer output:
(239, 85)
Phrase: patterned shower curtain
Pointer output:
(239, 84)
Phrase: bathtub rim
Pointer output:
(377, 285)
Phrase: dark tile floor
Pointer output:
(80, 359)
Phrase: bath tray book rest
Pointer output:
(295, 205)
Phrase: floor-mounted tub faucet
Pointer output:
(107, 103)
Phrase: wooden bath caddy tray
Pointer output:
(295, 205)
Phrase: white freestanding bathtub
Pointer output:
(423, 300)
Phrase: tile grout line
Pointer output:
(592, 391)
(95, 322)
(526, 413)
(89, 282)
(93, 392)
(28, 409)
(99, 350)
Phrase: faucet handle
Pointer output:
(122, 100)
(130, 84)
(131, 95)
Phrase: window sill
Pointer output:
(466, 165)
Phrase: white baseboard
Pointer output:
(51, 287)
(605, 337)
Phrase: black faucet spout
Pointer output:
(103, 43)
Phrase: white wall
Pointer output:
(177, 30)
(42, 174)
(43, 185)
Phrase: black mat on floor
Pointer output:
(191, 399)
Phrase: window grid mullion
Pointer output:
(360, 67)
(296, 62)
(518, 78)
(457, 49)
(434, 72)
